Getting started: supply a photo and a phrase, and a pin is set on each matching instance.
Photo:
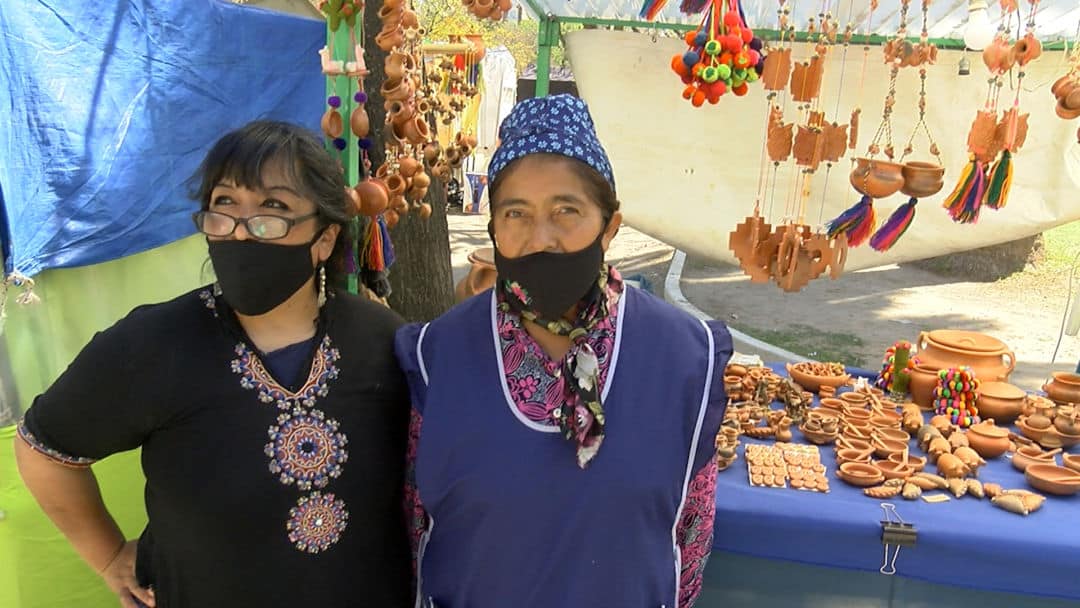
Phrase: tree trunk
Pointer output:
(421, 277)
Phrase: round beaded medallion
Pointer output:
(316, 522)
(306, 449)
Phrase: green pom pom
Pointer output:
(710, 74)
(740, 73)
(751, 76)
(725, 71)
(713, 47)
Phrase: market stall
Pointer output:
(940, 494)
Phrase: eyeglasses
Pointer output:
(261, 227)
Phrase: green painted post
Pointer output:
(341, 46)
(547, 36)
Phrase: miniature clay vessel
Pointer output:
(856, 415)
(813, 382)
(921, 384)
(1053, 479)
(854, 399)
(915, 463)
(1032, 454)
(922, 179)
(860, 474)
(877, 178)
(1071, 461)
(988, 439)
(854, 444)
(885, 447)
(893, 470)
(893, 434)
(989, 357)
(852, 455)
(819, 437)
(1064, 388)
(1000, 401)
(831, 406)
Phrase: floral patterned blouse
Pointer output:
(537, 389)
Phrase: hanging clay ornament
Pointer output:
(806, 79)
(808, 144)
(853, 136)
(836, 140)
(777, 69)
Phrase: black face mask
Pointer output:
(554, 282)
(255, 277)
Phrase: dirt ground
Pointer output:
(853, 319)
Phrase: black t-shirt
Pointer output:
(256, 495)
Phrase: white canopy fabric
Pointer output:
(1055, 20)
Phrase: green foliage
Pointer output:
(517, 32)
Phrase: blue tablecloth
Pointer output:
(964, 542)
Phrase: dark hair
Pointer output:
(596, 185)
(243, 154)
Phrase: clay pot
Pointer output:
(1038, 422)
(988, 439)
(854, 415)
(416, 130)
(1026, 50)
(409, 20)
(877, 178)
(1053, 479)
(397, 64)
(391, 218)
(922, 179)
(1029, 455)
(989, 357)
(408, 166)
(482, 8)
(420, 180)
(1066, 424)
(1000, 401)
(1071, 100)
(387, 40)
(453, 157)
(390, 15)
(831, 406)
(1063, 86)
(921, 383)
(424, 211)
(333, 126)
(396, 89)
(853, 399)
(395, 184)
(860, 474)
(373, 196)
(399, 112)
(431, 152)
(854, 444)
(1064, 388)
(358, 122)
(1064, 112)
(852, 455)
(995, 54)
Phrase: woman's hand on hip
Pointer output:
(119, 575)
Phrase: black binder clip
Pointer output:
(895, 533)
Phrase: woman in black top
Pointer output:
(270, 411)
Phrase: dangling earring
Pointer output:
(217, 289)
(322, 285)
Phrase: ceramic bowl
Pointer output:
(1071, 461)
(893, 470)
(884, 447)
(851, 398)
(818, 437)
(813, 382)
(893, 434)
(855, 444)
(916, 463)
(1029, 455)
(860, 474)
(856, 414)
(1053, 479)
(831, 406)
(853, 455)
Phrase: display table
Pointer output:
(964, 542)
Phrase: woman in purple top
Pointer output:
(562, 428)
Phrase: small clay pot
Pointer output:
(333, 126)
(989, 440)
(482, 8)
(359, 123)
(877, 178)
(421, 180)
(1063, 86)
(374, 196)
(1000, 401)
(409, 20)
(1026, 50)
(408, 166)
(387, 40)
(922, 179)
(416, 130)
(396, 89)
(1064, 388)
(915, 463)
(1064, 112)
(396, 64)
(1071, 461)
(396, 185)
(921, 383)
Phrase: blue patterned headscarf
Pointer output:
(560, 124)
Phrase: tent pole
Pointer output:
(547, 36)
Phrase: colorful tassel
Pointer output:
(895, 226)
(693, 7)
(373, 247)
(857, 222)
(387, 244)
(964, 201)
(997, 194)
(651, 9)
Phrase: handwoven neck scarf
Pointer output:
(581, 416)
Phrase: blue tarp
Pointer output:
(107, 107)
